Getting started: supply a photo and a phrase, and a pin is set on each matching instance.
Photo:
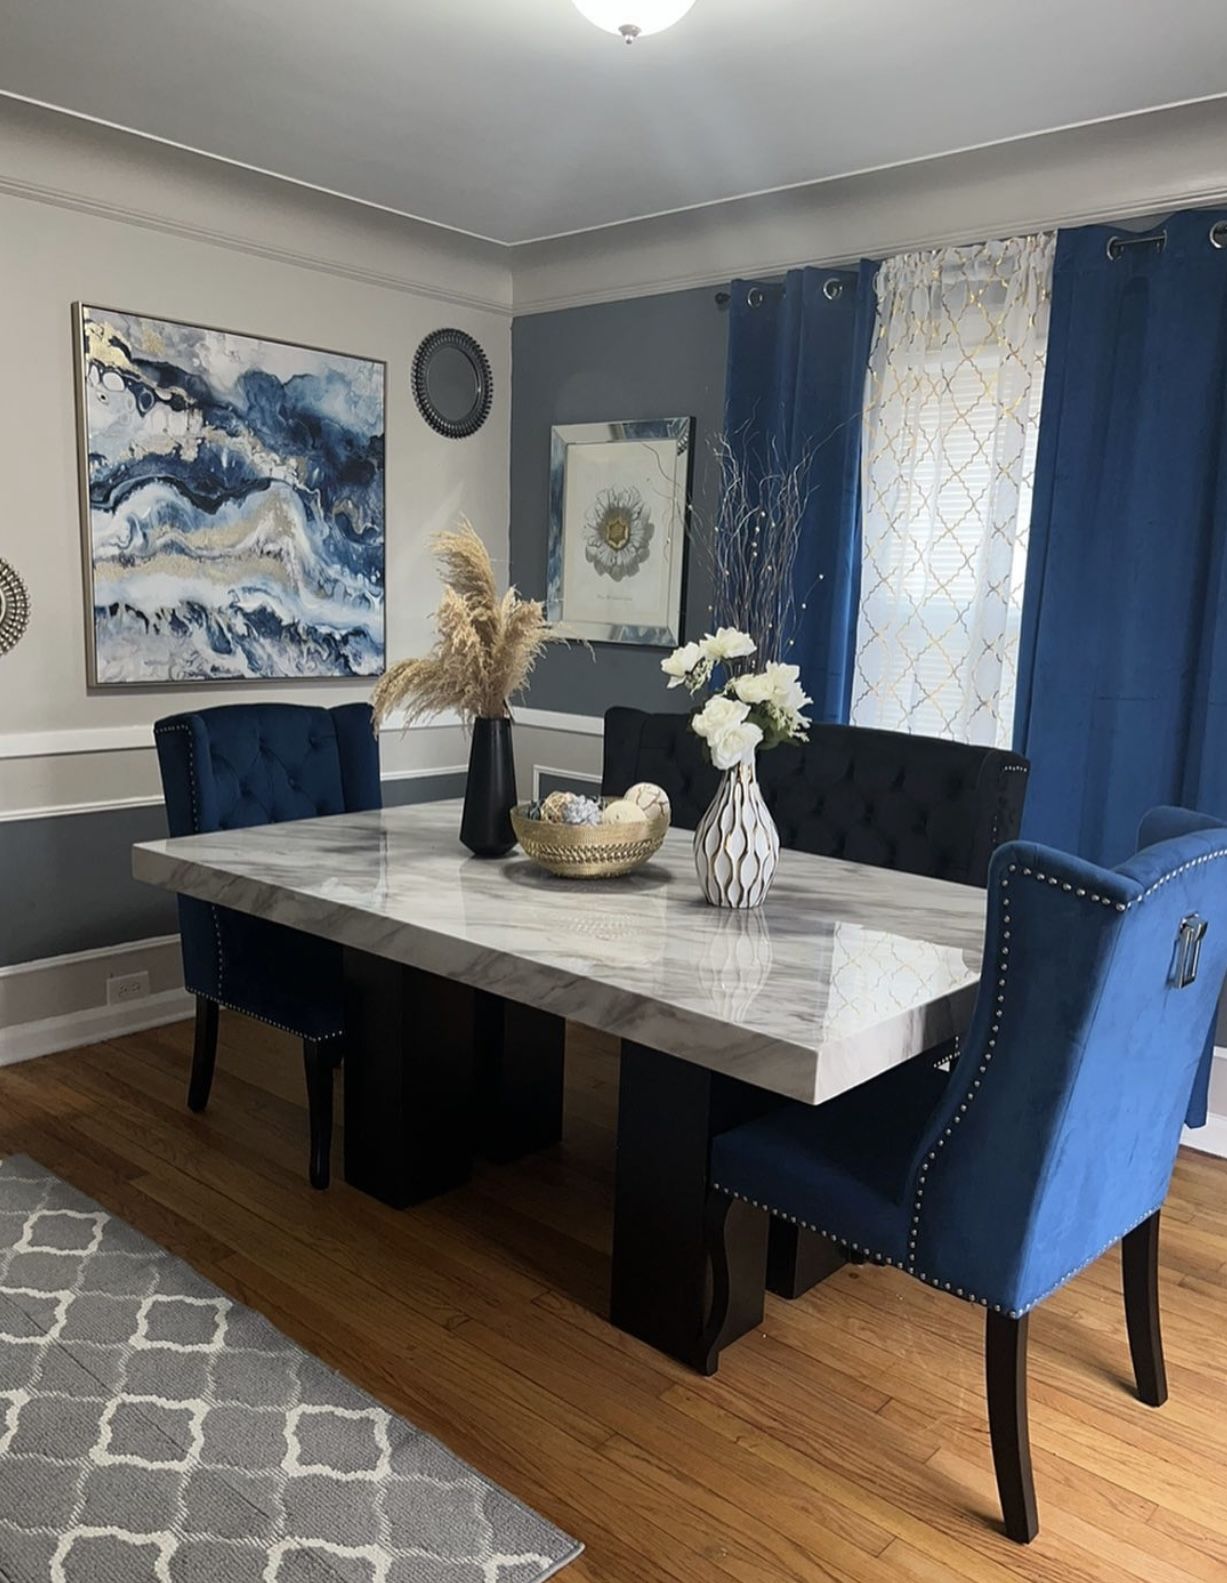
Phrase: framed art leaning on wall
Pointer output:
(232, 504)
(619, 495)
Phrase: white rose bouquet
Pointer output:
(752, 710)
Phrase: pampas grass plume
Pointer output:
(485, 645)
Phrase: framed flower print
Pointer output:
(619, 496)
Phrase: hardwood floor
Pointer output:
(846, 1440)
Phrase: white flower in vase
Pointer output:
(736, 844)
(754, 688)
(726, 643)
(687, 666)
(777, 691)
(730, 735)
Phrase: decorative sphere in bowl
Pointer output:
(563, 841)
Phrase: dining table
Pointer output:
(462, 972)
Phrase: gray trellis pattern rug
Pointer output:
(153, 1431)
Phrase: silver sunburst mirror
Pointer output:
(14, 607)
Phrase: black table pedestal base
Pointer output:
(410, 1040)
(435, 1070)
(520, 1059)
(660, 1289)
(800, 1259)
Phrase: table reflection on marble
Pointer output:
(845, 971)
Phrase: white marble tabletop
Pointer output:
(845, 971)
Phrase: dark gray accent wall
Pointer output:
(71, 878)
(423, 788)
(549, 782)
(649, 357)
(68, 877)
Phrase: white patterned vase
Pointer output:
(737, 846)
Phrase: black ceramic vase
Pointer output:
(490, 794)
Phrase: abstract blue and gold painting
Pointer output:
(234, 505)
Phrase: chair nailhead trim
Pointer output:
(990, 1044)
(929, 1280)
(217, 929)
(1111, 901)
(297, 1033)
(1003, 964)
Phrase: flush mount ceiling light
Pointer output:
(633, 18)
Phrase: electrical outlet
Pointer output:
(123, 987)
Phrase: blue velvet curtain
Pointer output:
(796, 380)
(1122, 697)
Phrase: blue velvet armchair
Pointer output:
(1054, 1136)
(255, 764)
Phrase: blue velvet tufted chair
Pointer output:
(256, 764)
(1053, 1139)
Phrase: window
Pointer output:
(951, 424)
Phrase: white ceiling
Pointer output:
(517, 119)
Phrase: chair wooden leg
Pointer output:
(204, 1054)
(320, 1060)
(1140, 1273)
(1005, 1360)
(736, 1234)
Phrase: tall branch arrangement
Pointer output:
(751, 551)
(485, 648)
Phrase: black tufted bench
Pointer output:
(917, 804)
(884, 798)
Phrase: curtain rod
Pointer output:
(833, 287)
(832, 290)
(1158, 239)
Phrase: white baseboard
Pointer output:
(31, 1039)
(58, 1001)
(1210, 1139)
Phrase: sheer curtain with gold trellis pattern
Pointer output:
(951, 418)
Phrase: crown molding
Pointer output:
(67, 161)
(102, 209)
(769, 264)
(1129, 168)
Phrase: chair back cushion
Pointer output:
(1059, 1128)
(250, 764)
(883, 798)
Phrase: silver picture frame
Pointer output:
(619, 508)
(83, 312)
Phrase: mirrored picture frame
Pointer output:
(619, 510)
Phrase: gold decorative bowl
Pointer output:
(586, 851)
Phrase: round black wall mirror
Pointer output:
(452, 383)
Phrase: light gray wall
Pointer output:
(651, 357)
(88, 213)
(70, 877)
